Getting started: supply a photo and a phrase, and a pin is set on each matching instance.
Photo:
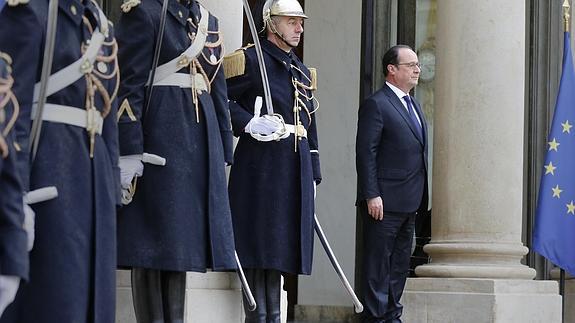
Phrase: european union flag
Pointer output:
(554, 232)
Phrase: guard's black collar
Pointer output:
(277, 53)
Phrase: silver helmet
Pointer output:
(288, 8)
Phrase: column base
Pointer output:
(463, 259)
(475, 271)
(440, 300)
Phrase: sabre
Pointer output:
(156, 57)
(321, 235)
(245, 287)
(260, 56)
(46, 70)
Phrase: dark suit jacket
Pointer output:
(391, 158)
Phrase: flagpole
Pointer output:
(566, 22)
(562, 293)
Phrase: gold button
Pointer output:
(73, 9)
(183, 61)
(86, 66)
(180, 14)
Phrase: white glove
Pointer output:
(264, 125)
(8, 289)
(29, 221)
(130, 166)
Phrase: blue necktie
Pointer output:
(411, 112)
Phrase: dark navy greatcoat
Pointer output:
(13, 239)
(72, 265)
(179, 218)
(271, 184)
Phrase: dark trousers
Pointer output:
(265, 286)
(387, 250)
(159, 295)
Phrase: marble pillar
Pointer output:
(478, 148)
(476, 247)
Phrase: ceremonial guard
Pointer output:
(73, 262)
(276, 161)
(13, 240)
(177, 216)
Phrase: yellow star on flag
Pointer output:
(566, 126)
(570, 208)
(549, 169)
(553, 145)
(557, 191)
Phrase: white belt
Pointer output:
(300, 130)
(166, 70)
(184, 80)
(74, 71)
(87, 119)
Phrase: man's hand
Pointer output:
(264, 125)
(375, 208)
(130, 166)
(8, 288)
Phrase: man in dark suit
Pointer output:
(391, 162)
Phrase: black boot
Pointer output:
(257, 282)
(173, 296)
(273, 296)
(147, 295)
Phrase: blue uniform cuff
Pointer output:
(131, 138)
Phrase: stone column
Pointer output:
(476, 247)
(478, 148)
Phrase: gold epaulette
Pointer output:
(235, 63)
(14, 3)
(127, 5)
(313, 77)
